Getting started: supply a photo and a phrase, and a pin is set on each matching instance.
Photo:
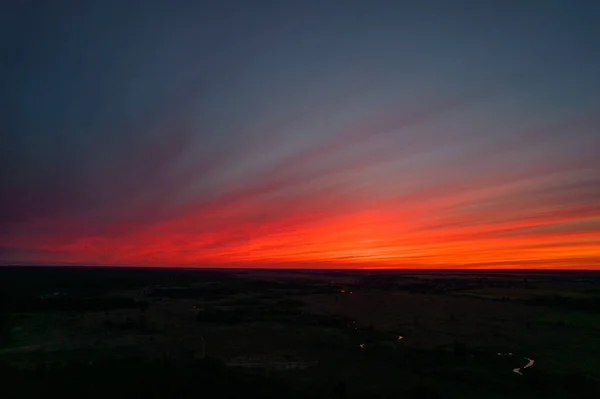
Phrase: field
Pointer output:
(369, 334)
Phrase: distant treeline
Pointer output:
(435, 285)
(591, 304)
(18, 304)
(222, 290)
(96, 281)
(278, 313)
(206, 293)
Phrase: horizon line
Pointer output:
(299, 268)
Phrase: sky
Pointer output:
(363, 134)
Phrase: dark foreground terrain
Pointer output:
(121, 332)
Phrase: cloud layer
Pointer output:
(374, 136)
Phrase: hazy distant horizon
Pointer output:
(309, 267)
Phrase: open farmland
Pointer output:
(353, 333)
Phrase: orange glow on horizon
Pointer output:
(387, 236)
(340, 205)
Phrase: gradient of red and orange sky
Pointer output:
(308, 134)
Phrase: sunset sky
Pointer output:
(436, 134)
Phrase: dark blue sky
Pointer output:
(121, 116)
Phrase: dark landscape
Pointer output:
(300, 199)
(128, 332)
